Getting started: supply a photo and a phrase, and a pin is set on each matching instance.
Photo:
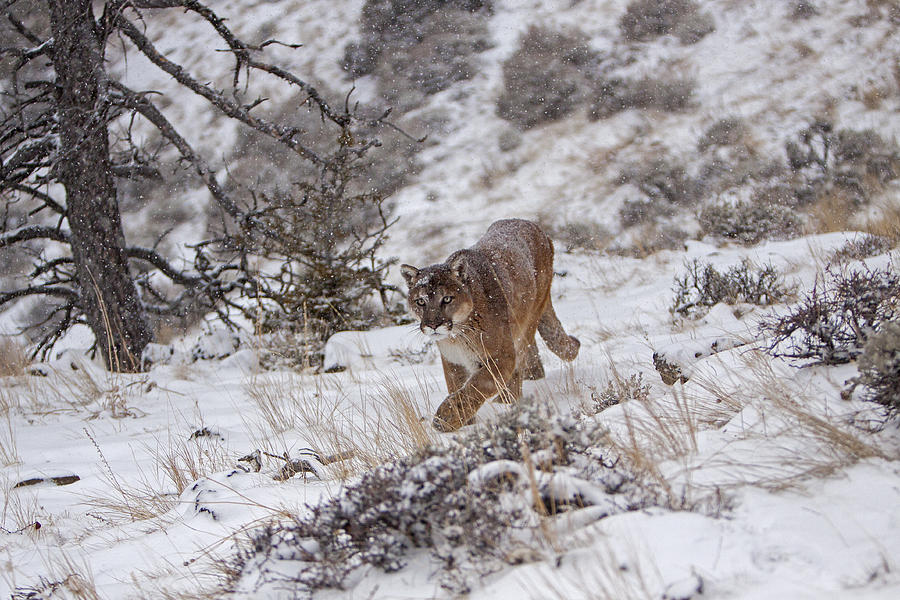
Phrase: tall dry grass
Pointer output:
(13, 358)
(156, 491)
(791, 435)
(886, 222)
(349, 425)
(9, 455)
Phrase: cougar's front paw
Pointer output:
(453, 414)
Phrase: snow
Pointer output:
(784, 532)
(790, 507)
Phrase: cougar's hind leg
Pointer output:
(532, 368)
(560, 343)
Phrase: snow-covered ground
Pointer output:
(805, 511)
(786, 492)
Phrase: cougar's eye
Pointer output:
(446, 299)
(420, 301)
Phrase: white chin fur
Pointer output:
(436, 333)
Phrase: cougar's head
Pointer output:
(439, 297)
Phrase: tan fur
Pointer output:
(483, 307)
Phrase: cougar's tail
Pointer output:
(560, 343)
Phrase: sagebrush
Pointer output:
(418, 48)
(468, 504)
(702, 286)
(832, 323)
(647, 19)
(546, 78)
(879, 367)
(750, 222)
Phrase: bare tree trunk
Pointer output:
(107, 292)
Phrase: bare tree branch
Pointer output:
(234, 110)
(33, 232)
(157, 260)
(24, 31)
(48, 201)
(42, 290)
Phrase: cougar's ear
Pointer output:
(409, 274)
(457, 266)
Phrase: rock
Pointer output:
(55, 480)
(215, 344)
(684, 589)
(156, 354)
(669, 372)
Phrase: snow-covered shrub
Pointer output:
(861, 247)
(803, 9)
(546, 78)
(642, 210)
(575, 235)
(468, 503)
(749, 222)
(727, 131)
(663, 180)
(418, 48)
(620, 390)
(668, 93)
(702, 286)
(879, 367)
(832, 323)
(851, 164)
(647, 19)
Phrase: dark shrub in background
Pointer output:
(647, 19)
(750, 222)
(418, 47)
(547, 77)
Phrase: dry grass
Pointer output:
(8, 453)
(656, 433)
(349, 437)
(20, 511)
(610, 575)
(178, 463)
(13, 358)
(799, 438)
(10, 399)
(65, 579)
(835, 211)
(841, 443)
(84, 387)
(886, 223)
(790, 437)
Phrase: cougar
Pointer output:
(482, 307)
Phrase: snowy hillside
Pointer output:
(683, 455)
